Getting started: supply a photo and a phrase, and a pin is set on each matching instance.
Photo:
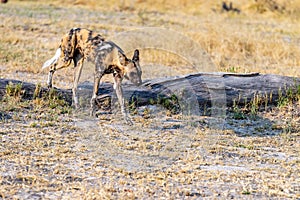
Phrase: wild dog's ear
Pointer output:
(68, 44)
(136, 56)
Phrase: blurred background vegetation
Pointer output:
(238, 36)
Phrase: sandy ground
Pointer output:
(76, 156)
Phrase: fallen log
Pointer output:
(187, 93)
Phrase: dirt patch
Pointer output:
(73, 155)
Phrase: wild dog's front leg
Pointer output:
(97, 78)
(119, 92)
(77, 74)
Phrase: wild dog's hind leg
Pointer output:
(97, 78)
(49, 80)
(119, 92)
(78, 64)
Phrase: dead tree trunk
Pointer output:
(185, 92)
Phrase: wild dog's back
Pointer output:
(79, 41)
(88, 39)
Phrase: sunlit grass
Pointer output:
(232, 42)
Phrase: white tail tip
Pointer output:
(53, 59)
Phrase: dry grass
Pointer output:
(72, 156)
(49, 151)
(239, 43)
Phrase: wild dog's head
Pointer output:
(133, 69)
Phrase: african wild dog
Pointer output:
(82, 44)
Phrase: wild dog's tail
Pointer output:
(53, 60)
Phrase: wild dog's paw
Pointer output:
(77, 107)
(49, 86)
(93, 112)
(76, 103)
(128, 121)
(93, 107)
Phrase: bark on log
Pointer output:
(189, 92)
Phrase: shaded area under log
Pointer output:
(188, 92)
